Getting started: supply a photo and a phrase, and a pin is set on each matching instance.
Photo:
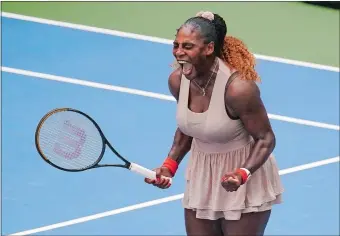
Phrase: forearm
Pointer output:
(180, 147)
(263, 147)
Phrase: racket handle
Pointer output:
(145, 172)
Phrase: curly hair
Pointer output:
(236, 54)
(230, 49)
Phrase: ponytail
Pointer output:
(237, 55)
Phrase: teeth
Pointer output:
(182, 62)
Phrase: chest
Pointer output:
(205, 117)
(199, 101)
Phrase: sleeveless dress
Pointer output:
(220, 145)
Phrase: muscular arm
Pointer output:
(243, 97)
(182, 143)
(180, 147)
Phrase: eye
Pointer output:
(175, 45)
(188, 46)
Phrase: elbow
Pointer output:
(267, 141)
(270, 142)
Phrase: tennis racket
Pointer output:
(70, 140)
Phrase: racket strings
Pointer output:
(70, 141)
(68, 150)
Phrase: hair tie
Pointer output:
(206, 14)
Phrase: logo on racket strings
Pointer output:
(72, 139)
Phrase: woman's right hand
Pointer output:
(161, 182)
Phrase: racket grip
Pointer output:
(145, 172)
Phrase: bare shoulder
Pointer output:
(241, 87)
(174, 82)
(243, 95)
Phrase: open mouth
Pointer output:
(186, 67)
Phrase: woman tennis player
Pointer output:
(232, 179)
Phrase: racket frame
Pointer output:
(134, 167)
(105, 142)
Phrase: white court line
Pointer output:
(159, 201)
(149, 94)
(155, 95)
(152, 39)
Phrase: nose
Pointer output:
(179, 52)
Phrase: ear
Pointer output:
(209, 50)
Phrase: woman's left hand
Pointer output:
(231, 181)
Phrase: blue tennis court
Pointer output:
(35, 195)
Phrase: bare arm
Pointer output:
(182, 143)
(180, 147)
(243, 97)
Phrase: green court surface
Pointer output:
(290, 30)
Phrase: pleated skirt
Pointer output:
(205, 195)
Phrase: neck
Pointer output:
(205, 70)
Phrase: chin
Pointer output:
(192, 75)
